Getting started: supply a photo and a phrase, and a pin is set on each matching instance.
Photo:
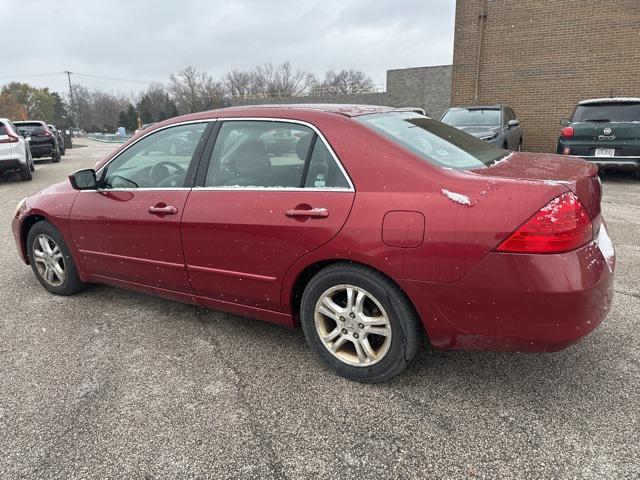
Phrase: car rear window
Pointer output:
(434, 141)
(30, 128)
(472, 117)
(3, 129)
(607, 112)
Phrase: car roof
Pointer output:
(479, 107)
(610, 100)
(347, 110)
(25, 122)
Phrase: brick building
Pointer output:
(542, 56)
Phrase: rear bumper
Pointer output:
(631, 163)
(518, 302)
(7, 165)
(42, 150)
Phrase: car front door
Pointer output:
(272, 191)
(129, 229)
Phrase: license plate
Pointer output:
(605, 152)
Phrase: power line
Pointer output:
(99, 77)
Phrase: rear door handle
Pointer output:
(310, 213)
(162, 209)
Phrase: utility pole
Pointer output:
(74, 118)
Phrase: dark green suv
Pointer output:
(605, 131)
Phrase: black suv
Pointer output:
(605, 131)
(43, 142)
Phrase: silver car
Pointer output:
(496, 124)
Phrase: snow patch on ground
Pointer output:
(457, 197)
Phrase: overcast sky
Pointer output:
(148, 40)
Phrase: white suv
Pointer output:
(15, 154)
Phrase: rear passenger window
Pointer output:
(259, 154)
(323, 170)
(268, 154)
(3, 130)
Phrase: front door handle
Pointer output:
(308, 213)
(163, 209)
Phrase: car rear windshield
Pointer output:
(607, 112)
(3, 129)
(471, 117)
(30, 128)
(434, 141)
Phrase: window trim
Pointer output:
(214, 125)
(319, 135)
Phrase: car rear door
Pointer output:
(129, 229)
(267, 193)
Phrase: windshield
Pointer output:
(434, 141)
(468, 117)
(607, 112)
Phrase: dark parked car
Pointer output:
(378, 227)
(59, 138)
(496, 124)
(43, 142)
(68, 138)
(605, 131)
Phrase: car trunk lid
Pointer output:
(606, 131)
(579, 176)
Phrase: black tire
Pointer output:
(520, 145)
(72, 283)
(63, 151)
(25, 172)
(406, 329)
(55, 156)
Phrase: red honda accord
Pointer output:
(369, 226)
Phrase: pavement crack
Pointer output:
(261, 434)
(629, 294)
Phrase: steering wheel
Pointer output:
(161, 176)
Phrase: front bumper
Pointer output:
(520, 302)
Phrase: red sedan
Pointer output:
(369, 226)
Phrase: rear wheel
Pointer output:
(359, 323)
(55, 156)
(51, 260)
(25, 172)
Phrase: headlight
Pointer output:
(20, 207)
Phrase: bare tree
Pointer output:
(194, 91)
(239, 83)
(344, 82)
(282, 81)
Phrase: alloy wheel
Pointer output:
(49, 260)
(353, 325)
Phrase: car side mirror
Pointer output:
(513, 123)
(564, 122)
(84, 179)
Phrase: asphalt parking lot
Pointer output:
(114, 384)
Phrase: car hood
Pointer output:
(479, 131)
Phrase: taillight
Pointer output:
(12, 139)
(561, 225)
(568, 132)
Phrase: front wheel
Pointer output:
(359, 323)
(51, 260)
